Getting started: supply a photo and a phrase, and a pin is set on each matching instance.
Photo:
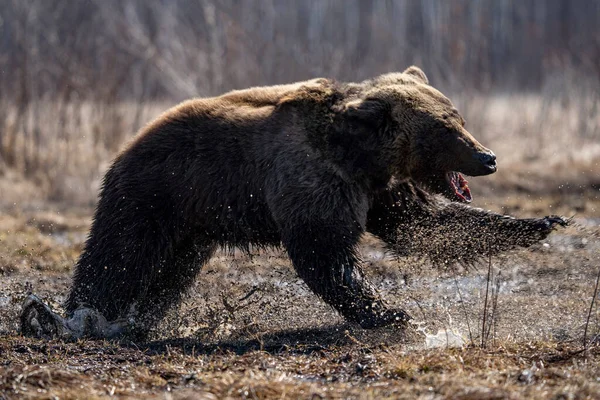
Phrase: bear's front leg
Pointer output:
(325, 257)
(412, 222)
(456, 232)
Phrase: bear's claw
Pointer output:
(552, 221)
(38, 320)
(539, 229)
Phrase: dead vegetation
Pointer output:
(251, 329)
(534, 370)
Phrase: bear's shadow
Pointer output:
(297, 341)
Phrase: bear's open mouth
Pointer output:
(460, 186)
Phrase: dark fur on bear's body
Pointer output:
(310, 166)
(193, 182)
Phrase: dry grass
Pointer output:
(251, 329)
(65, 148)
(535, 370)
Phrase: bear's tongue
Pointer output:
(460, 186)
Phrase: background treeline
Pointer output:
(81, 73)
(177, 48)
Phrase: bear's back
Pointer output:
(270, 95)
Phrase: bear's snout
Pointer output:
(487, 162)
(488, 159)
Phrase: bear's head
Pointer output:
(421, 134)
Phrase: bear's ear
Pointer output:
(417, 73)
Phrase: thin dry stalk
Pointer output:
(485, 303)
(464, 308)
(587, 321)
(491, 328)
(495, 310)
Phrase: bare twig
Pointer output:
(587, 321)
(495, 308)
(491, 328)
(250, 293)
(464, 308)
(485, 303)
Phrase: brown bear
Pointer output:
(311, 166)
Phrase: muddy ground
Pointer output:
(250, 329)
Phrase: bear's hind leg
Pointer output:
(161, 291)
(169, 285)
(38, 320)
